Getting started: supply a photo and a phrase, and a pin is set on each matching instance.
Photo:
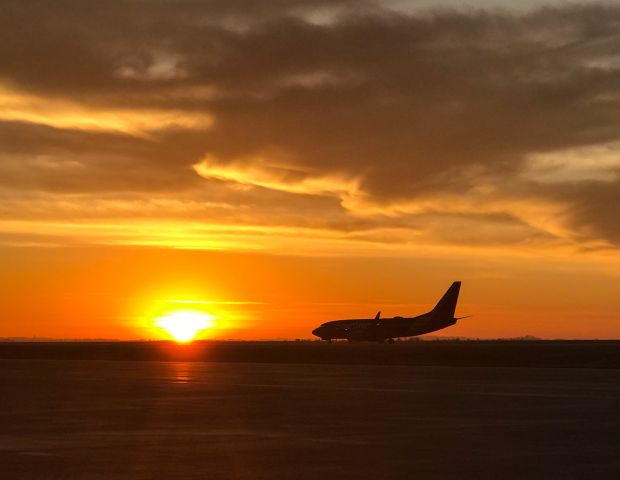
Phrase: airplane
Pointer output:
(382, 329)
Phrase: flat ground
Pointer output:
(103, 419)
(564, 354)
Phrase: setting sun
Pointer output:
(184, 325)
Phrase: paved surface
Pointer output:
(445, 353)
(168, 420)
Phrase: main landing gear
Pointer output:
(390, 340)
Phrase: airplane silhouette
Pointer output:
(382, 329)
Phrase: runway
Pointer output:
(175, 420)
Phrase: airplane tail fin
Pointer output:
(446, 307)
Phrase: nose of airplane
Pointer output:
(317, 332)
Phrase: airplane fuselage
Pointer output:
(363, 329)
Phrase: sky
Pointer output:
(282, 163)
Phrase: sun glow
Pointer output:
(184, 325)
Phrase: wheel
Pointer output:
(390, 340)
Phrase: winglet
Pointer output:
(378, 316)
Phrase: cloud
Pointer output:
(260, 172)
(598, 163)
(465, 127)
(65, 113)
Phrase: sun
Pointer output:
(184, 325)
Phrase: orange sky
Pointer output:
(113, 292)
(277, 165)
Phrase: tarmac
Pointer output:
(105, 419)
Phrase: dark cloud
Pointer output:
(410, 107)
(592, 208)
(37, 157)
